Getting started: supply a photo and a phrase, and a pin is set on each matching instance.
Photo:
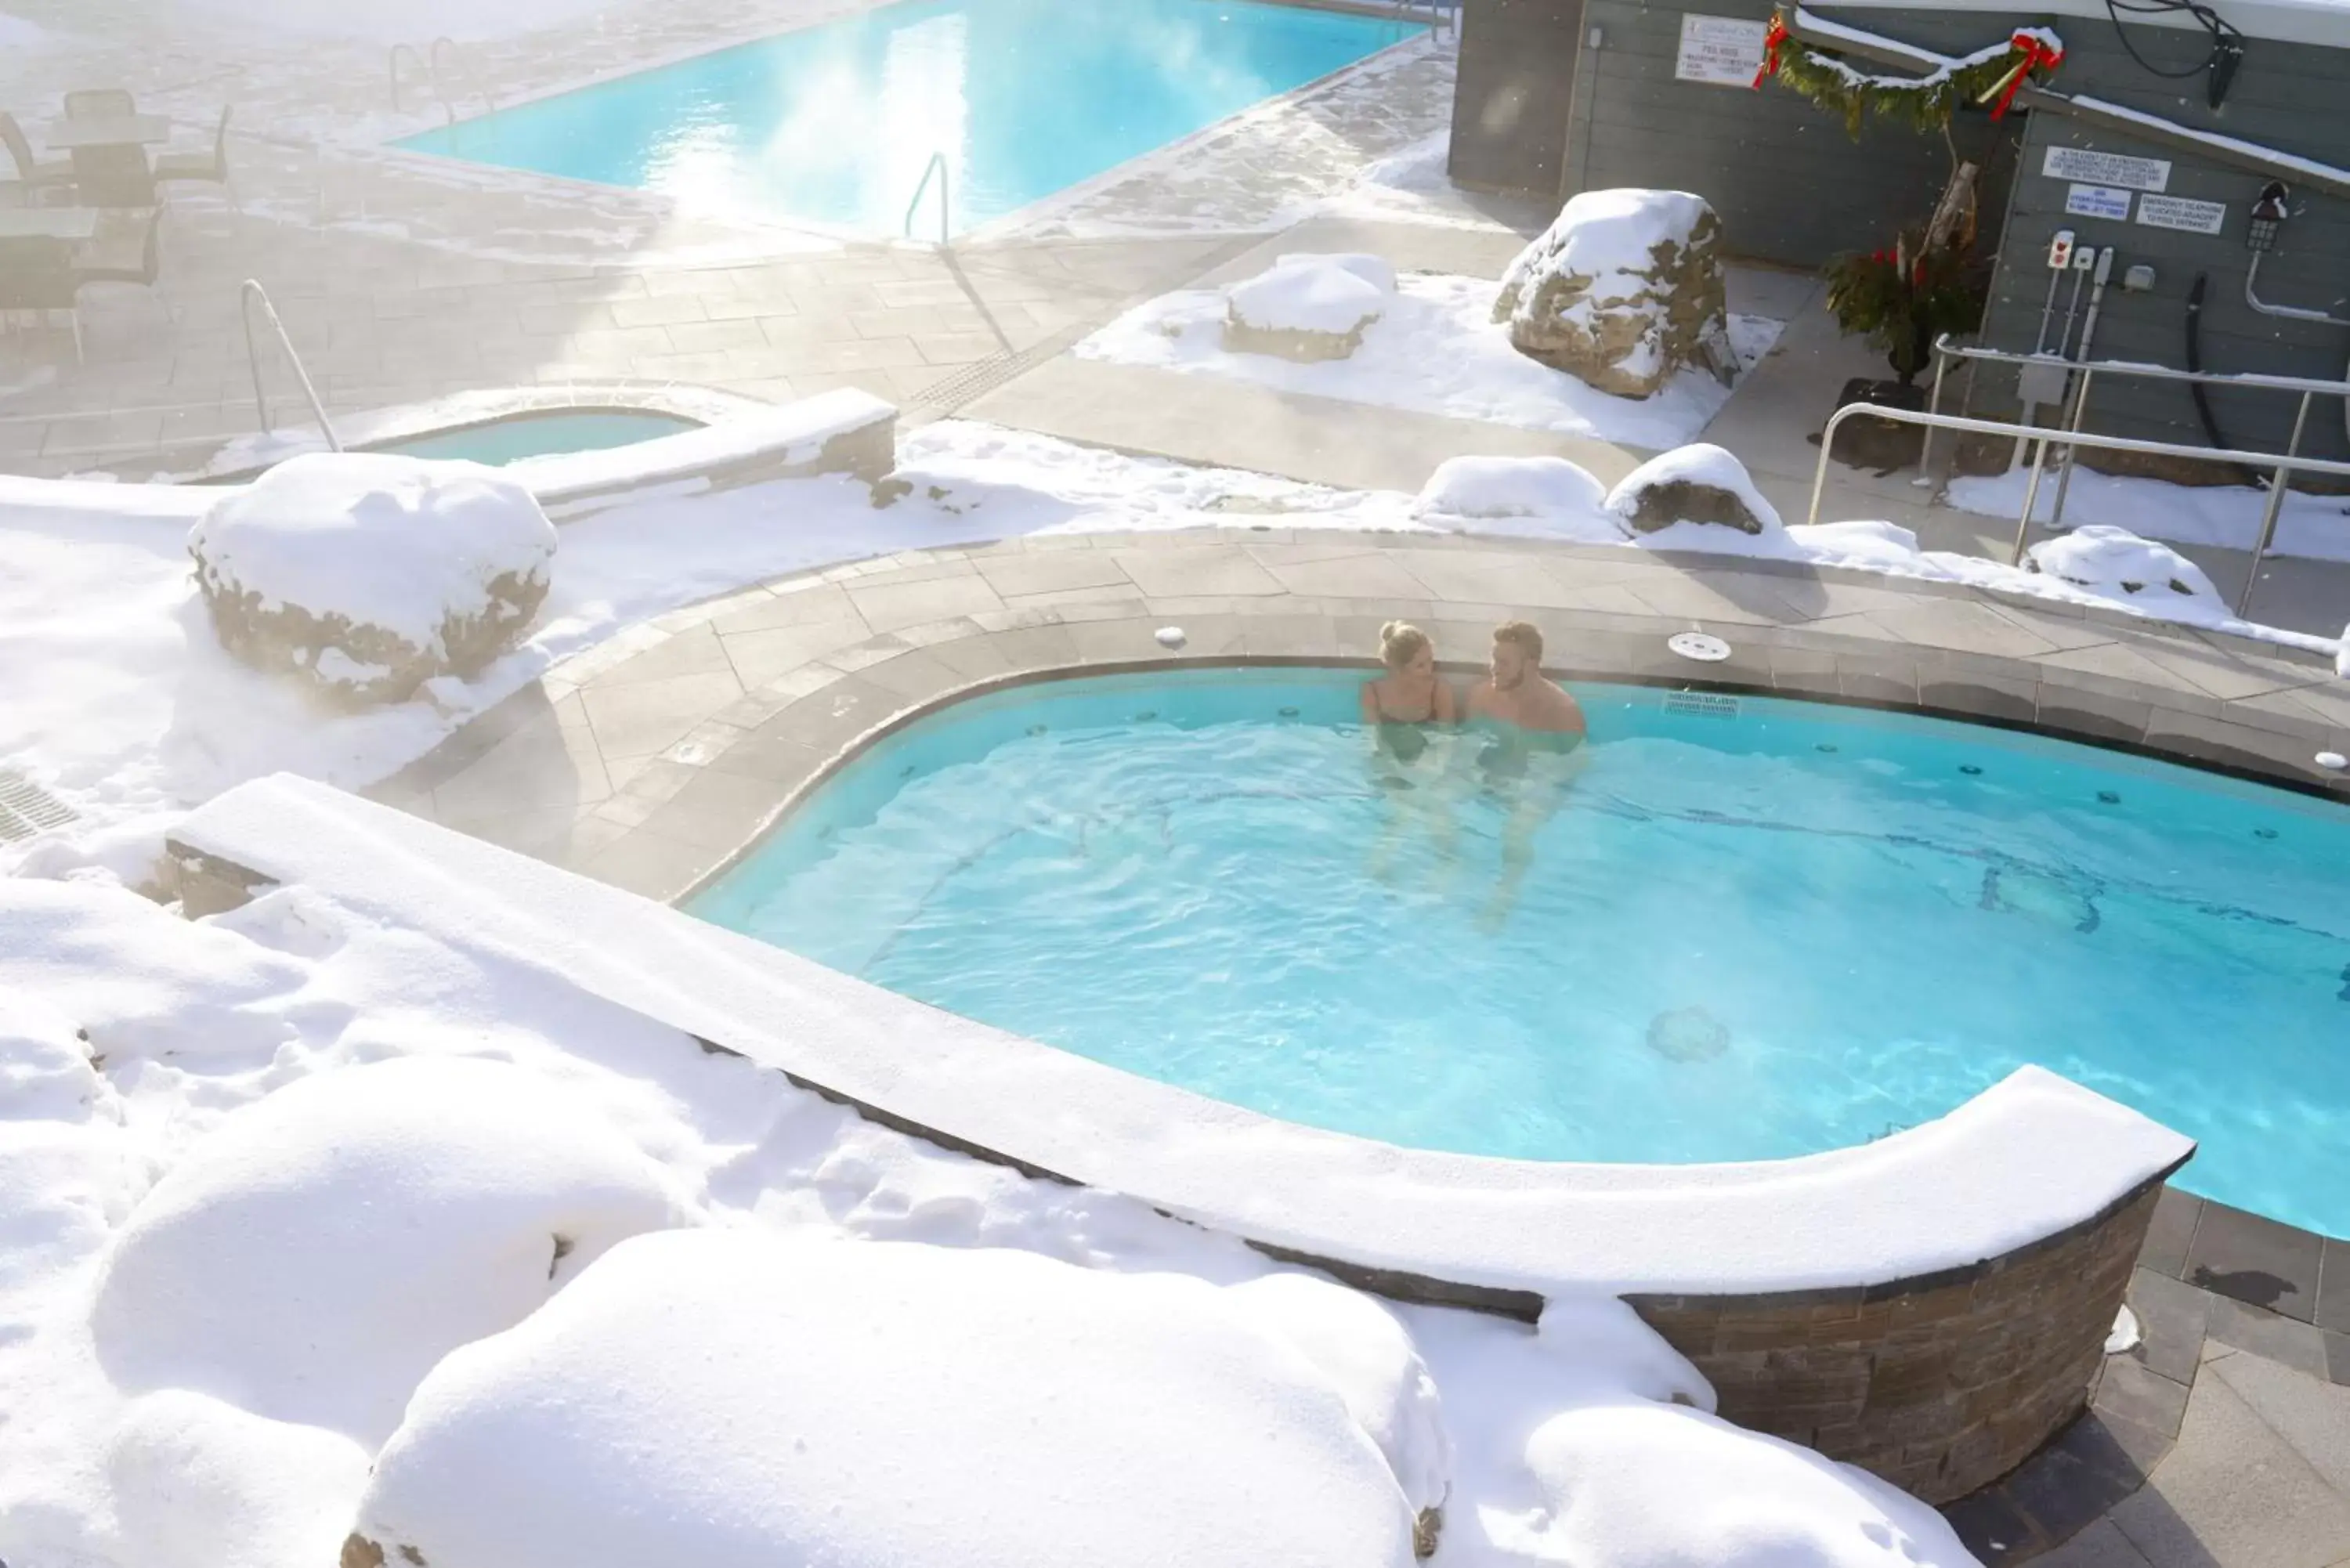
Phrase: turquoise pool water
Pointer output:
(834, 123)
(1737, 937)
(517, 436)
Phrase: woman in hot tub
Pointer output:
(1405, 709)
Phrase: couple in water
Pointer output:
(1533, 732)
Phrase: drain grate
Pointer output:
(26, 808)
(1701, 704)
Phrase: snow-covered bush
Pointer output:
(732, 1398)
(199, 1483)
(2115, 563)
(1486, 489)
(1307, 307)
(315, 1255)
(1360, 1347)
(1623, 290)
(1696, 483)
(367, 574)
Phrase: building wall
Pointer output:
(2291, 98)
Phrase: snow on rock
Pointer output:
(1308, 308)
(1605, 1349)
(2341, 657)
(2116, 564)
(1696, 483)
(199, 1483)
(1362, 1349)
(1545, 495)
(1634, 1484)
(731, 1400)
(1622, 290)
(56, 1200)
(367, 574)
(315, 1255)
(187, 996)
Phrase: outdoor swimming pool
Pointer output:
(1738, 936)
(517, 436)
(835, 124)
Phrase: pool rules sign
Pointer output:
(1720, 51)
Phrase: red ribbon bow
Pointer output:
(1777, 35)
(2038, 55)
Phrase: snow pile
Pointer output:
(1435, 350)
(1699, 483)
(728, 1399)
(1364, 1353)
(2226, 515)
(1307, 307)
(369, 574)
(313, 1258)
(2116, 564)
(200, 1483)
(1558, 498)
(1624, 289)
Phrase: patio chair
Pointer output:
(34, 174)
(36, 276)
(119, 257)
(114, 177)
(209, 168)
(100, 103)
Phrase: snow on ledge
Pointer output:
(2029, 1156)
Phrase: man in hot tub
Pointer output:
(1531, 753)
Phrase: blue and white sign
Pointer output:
(2098, 202)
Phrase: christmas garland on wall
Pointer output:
(1924, 102)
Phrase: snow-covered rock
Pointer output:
(2116, 564)
(1487, 489)
(313, 1256)
(1624, 289)
(1606, 1352)
(2341, 657)
(366, 573)
(732, 1400)
(1307, 307)
(1362, 1349)
(1638, 1485)
(199, 1483)
(1696, 483)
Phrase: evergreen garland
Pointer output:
(1922, 103)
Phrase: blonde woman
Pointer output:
(1399, 707)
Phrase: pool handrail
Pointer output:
(465, 67)
(250, 291)
(937, 165)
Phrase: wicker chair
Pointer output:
(100, 103)
(33, 173)
(209, 168)
(37, 275)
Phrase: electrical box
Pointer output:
(2041, 379)
(2138, 279)
(2060, 250)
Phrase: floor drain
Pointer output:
(1702, 646)
(26, 808)
(1824, 746)
(2263, 833)
(2108, 797)
(1970, 769)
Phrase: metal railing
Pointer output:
(938, 166)
(252, 291)
(2069, 434)
(415, 54)
(464, 64)
(428, 60)
(2286, 466)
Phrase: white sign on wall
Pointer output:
(2106, 169)
(2098, 202)
(1723, 51)
(2179, 212)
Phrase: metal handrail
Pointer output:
(937, 165)
(2286, 465)
(464, 66)
(251, 291)
(417, 55)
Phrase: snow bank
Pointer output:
(1436, 349)
(199, 1483)
(1307, 307)
(1624, 289)
(1562, 498)
(2115, 563)
(59, 1196)
(370, 573)
(728, 1399)
(313, 1256)
(1638, 1485)
(1696, 483)
(1364, 1353)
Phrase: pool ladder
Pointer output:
(938, 166)
(429, 59)
(246, 297)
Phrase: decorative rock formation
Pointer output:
(1621, 291)
(367, 574)
(1695, 483)
(1307, 307)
